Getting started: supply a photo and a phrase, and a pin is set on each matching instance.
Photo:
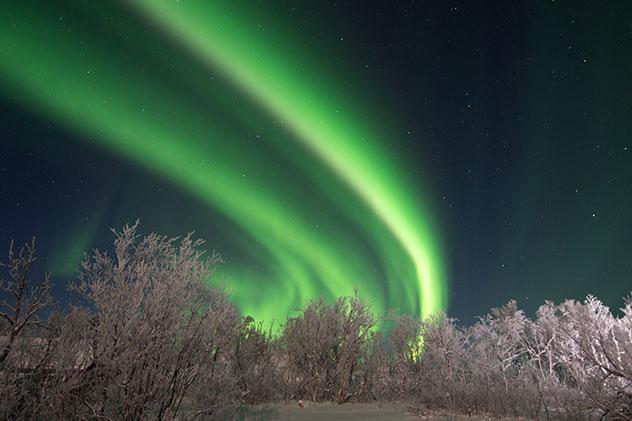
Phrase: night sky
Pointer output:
(437, 155)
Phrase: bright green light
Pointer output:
(305, 245)
(335, 137)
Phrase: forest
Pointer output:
(146, 336)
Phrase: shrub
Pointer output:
(157, 331)
(328, 350)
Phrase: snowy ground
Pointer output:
(353, 412)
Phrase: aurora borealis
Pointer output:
(435, 156)
(304, 250)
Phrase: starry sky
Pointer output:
(433, 155)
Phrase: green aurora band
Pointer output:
(185, 126)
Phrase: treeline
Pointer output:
(146, 338)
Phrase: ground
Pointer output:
(386, 411)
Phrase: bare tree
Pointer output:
(441, 376)
(151, 340)
(500, 358)
(256, 363)
(481, 369)
(24, 351)
(598, 355)
(328, 347)
(157, 331)
(573, 362)
(21, 301)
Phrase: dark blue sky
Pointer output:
(519, 115)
